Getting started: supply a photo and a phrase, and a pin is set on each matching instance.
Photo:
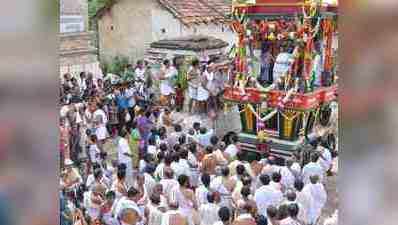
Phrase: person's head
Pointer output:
(148, 113)
(314, 179)
(224, 214)
(123, 133)
(209, 149)
(121, 174)
(158, 188)
(246, 180)
(98, 174)
(129, 216)
(289, 163)
(160, 156)
(82, 75)
(110, 196)
(133, 194)
(177, 147)
(163, 147)
(166, 62)
(168, 159)
(155, 198)
(196, 126)
(177, 128)
(210, 197)
(240, 169)
(203, 130)
(152, 140)
(272, 212)
(291, 195)
(168, 173)
(93, 138)
(96, 166)
(205, 179)
(240, 155)
(293, 210)
(182, 139)
(121, 166)
(225, 171)
(276, 177)
(282, 212)
(195, 63)
(214, 140)
(184, 154)
(245, 192)
(192, 148)
(298, 184)
(234, 139)
(261, 220)
(271, 160)
(150, 169)
(183, 180)
(162, 131)
(314, 157)
(140, 64)
(265, 180)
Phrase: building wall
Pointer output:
(131, 33)
(138, 23)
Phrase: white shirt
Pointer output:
(140, 73)
(201, 194)
(312, 169)
(287, 177)
(100, 112)
(94, 153)
(327, 162)
(183, 168)
(266, 196)
(122, 148)
(168, 186)
(319, 197)
(125, 203)
(305, 200)
(152, 150)
(282, 64)
(231, 150)
(208, 213)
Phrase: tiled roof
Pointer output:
(193, 43)
(197, 11)
(191, 11)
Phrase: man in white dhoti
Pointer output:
(208, 212)
(319, 197)
(313, 168)
(266, 195)
(167, 76)
(125, 156)
(304, 199)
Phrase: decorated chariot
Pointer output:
(284, 76)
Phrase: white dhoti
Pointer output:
(193, 92)
(203, 94)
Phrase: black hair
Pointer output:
(132, 192)
(293, 210)
(163, 147)
(240, 169)
(177, 128)
(314, 157)
(203, 130)
(246, 180)
(205, 179)
(261, 220)
(183, 180)
(240, 155)
(224, 214)
(152, 140)
(276, 177)
(196, 125)
(184, 154)
(298, 184)
(110, 195)
(166, 61)
(121, 166)
(121, 174)
(234, 138)
(168, 159)
(210, 197)
(192, 148)
(245, 191)
(272, 212)
(122, 133)
(209, 149)
(282, 212)
(155, 198)
(176, 147)
(97, 173)
(264, 178)
(214, 140)
(182, 139)
(225, 171)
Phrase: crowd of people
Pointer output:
(166, 172)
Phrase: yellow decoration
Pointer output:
(249, 117)
(262, 136)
